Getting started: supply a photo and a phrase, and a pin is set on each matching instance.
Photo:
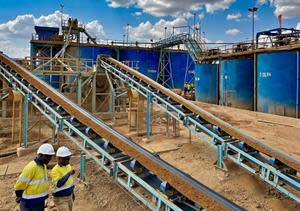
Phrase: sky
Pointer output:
(220, 20)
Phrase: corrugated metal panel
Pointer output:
(278, 83)
(183, 68)
(237, 83)
(206, 83)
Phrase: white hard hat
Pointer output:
(63, 152)
(46, 149)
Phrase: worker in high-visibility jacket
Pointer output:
(32, 185)
(63, 182)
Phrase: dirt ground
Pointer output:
(281, 133)
(98, 193)
(195, 158)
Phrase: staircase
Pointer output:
(193, 46)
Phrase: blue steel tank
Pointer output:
(278, 83)
(91, 53)
(143, 60)
(206, 83)
(183, 68)
(237, 83)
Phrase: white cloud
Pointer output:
(287, 8)
(234, 16)
(232, 32)
(298, 26)
(146, 31)
(175, 8)
(95, 29)
(201, 16)
(15, 34)
(261, 2)
(218, 5)
(137, 14)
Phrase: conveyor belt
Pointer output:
(274, 167)
(183, 183)
(251, 141)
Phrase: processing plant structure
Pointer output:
(71, 79)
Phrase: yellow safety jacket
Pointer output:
(34, 183)
(63, 182)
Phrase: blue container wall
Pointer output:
(91, 52)
(237, 83)
(183, 69)
(278, 86)
(206, 83)
(145, 61)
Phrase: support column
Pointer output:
(79, 89)
(148, 115)
(25, 121)
(255, 82)
(83, 167)
(297, 92)
(220, 162)
(4, 103)
(94, 93)
(54, 133)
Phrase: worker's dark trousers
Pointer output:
(39, 207)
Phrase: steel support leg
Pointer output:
(94, 93)
(220, 159)
(54, 134)
(25, 122)
(79, 90)
(148, 115)
(83, 167)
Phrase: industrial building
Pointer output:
(149, 114)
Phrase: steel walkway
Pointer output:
(273, 167)
(154, 182)
(193, 47)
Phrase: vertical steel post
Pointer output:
(297, 92)
(94, 93)
(54, 134)
(25, 122)
(83, 167)
(220, 156)
(148, 115)
(220, 159)
(79, 89)
(4, 103)
(255, 82)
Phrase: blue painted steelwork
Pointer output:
(25, 123)
(236, 83)
(148, 115)
(144, 61)
(227, 146)
(278, 83)
(147, 63)
(82, 166)
(91, 52)
(108, 158)
(46, 33)
(206, 83)
(183, 68)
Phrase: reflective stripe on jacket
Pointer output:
(59, 173)
(34, 183)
